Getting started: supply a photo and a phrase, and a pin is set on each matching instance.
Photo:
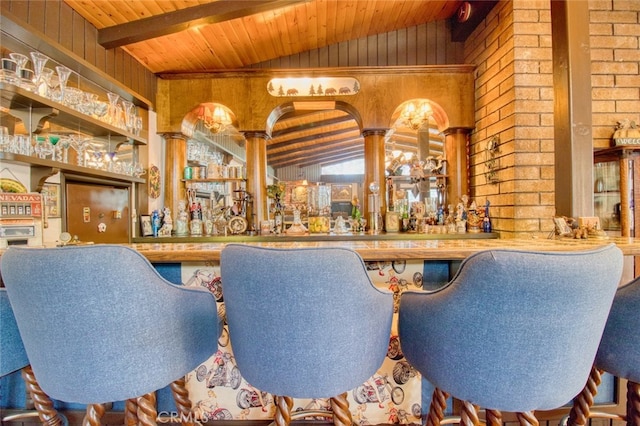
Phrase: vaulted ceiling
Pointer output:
(196, 36)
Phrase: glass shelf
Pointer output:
(35, 110)
(41, 169)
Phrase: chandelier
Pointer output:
(415, 116)
(215, 121)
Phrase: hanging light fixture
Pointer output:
(415, 116)
(216, 120)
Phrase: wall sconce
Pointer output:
(415, 116)
(215, 121)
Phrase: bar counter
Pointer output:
(159, 251)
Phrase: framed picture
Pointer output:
(145, 226)
(562, 227)
(341, 192)
(51, 199)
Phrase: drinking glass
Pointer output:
(80, 144)
(20, 60)
(113, 108)
(56, 150)
(63, 76)
(129, 115)
(39, 61)
(9, 67)
(47, 83)
(65, 144)
(42, 147)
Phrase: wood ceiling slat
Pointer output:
(261, 45)
(307, 158)
(311, 15)
(318, 139)
(318, 149)
(330, 159)
(321, 22)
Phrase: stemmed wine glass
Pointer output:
(129, 115)
(53, 140)
(21, 64)
(63, 76)
(65, 144)
(80, 144)
(113, 108)
(20, 60)
(39, 61)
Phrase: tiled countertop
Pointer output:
(388, 250)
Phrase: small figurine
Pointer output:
(182, 221)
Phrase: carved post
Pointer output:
(374, 167)
(455, 148)
(256, 151)
(175, 161)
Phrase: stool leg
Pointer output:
(437, 407)
(131, 412)
(493, 417)
(340, 408)
(527, 419)
(633, 403)
(183, 403)
(282, 416)
(93, 415)
(147, 412)
(469, 415)
(579, 415)
(43, 404)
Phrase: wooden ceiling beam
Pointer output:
(312, 125)
(350, 132)
(183, 19)
(320, 158)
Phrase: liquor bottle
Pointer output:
(155, 222)
(486, 222)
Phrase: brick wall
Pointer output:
(615, 65)
(514, 101)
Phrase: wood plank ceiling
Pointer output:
(197, 36)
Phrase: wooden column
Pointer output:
(572, 108)
(256, 151)
(455, 148)
(175, 162)
(374, 167)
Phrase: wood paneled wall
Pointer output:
(426, 44)
(62, 25)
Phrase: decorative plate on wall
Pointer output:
(154, 182)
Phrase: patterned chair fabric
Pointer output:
(304, 323)
(513, 331)
(99, 324)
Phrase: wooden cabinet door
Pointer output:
(98, 213)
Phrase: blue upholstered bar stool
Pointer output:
(513, 331)
(99, 324)
(13, 358)
(618, 354)
(304, 323)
